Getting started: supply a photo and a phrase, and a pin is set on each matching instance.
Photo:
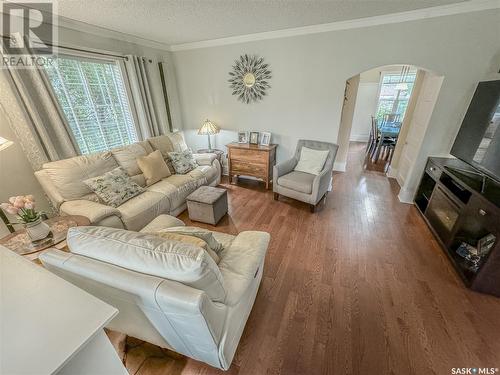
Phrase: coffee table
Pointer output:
(20, 243)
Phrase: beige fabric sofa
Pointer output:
(176, 298)
(62, 181)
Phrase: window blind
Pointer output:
(94, 100)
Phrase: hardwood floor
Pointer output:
(359, 287)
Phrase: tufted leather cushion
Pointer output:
(150, 254)
(68, 174)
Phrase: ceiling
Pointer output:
(183, 21)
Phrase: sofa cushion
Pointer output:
(162, 143)
(298, 181)
(68, 174)
(153, 167)
(143, 208)
(150, 254)
(114, 187)
(162, 222)
(176, 188)
(178, 142)
(183, 161)
(127, 156)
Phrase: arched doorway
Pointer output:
(400, 99)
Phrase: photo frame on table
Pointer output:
(254, 138)
(242, 137)
(265, 138)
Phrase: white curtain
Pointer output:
(145, 86)
(45, 130)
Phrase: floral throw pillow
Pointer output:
(183, 161)
(114, 187)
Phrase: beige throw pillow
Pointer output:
(153, 167)
(311, 161)
(192, 240)
(201, 233)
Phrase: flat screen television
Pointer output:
(478, 141)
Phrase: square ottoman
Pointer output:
(207, 204)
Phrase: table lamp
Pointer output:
(208, 128)
(4, 143)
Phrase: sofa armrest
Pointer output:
(321, 184)
(283, 168)
(242, 262)
(204, 159)
(94, 211)
(162, 222)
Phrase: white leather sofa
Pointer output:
(62, 181)
(186, 303)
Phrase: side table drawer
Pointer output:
(250, 156)
(247, 169)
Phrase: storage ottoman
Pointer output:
(207, 204)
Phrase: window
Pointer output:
(395, 93)
(94, 100)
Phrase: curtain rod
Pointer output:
(78, 49)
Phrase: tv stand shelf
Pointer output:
(462, 208)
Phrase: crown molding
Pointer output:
(70, 23)
(412, 15)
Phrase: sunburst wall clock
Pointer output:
(249, 78)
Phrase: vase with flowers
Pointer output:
(24, 207)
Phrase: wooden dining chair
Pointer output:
(373, 138)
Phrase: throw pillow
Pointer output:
(201, 233)
(192, 240)
(311, 161)
(114, 187)
(153, 167)
(183, 161)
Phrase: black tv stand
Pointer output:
(462, 208)
(474, 172)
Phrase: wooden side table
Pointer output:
(252, 160)
(20, 243)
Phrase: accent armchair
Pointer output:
(305, 187)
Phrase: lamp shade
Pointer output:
(4, 143)
(208, 128)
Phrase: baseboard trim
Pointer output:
(359, 138)
(393, 173)
(405, 196)
(339, 166)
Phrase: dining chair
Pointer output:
(373, 138)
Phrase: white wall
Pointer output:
(309, 74)
(366, 103)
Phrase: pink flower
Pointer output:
(12, 200)
(19, 202)
(29, 205)
(30, 198)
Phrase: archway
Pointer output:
(414, 104)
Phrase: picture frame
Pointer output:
(265, 138)
(242, 137)
(254, 138)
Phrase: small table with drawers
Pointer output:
(252, 160)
